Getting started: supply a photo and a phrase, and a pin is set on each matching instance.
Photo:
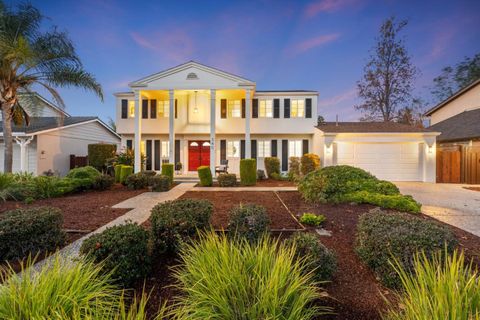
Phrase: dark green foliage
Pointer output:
(272, 165)
(125, 172)
(137, 181)
(398, 202)
(118, 172)
(317, 258)
(149, 173)
(248, 172)
(123, 249)
(99, 153)
(87, 172)
(168, 170)
(227, 179)
(279, 177)
(159, 183)
(205, 176)
(174, 222)
(29, 231)
(261, 175)
(309, 162)
(248, 221)
(382, 235)
(103, 182)
(126, 158)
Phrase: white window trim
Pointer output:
(262, 150)
(234, 106)
(295, 104)
(267, 106)
(295, 148)
(233, 144)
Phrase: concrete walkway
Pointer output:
(449, 203)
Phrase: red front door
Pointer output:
(198, 154)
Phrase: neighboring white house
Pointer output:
(199, 115)
(52, 136)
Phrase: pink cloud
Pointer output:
(441, 42)
(328, 6)
(311, 43)
(348, 95)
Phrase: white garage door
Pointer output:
(387, 161)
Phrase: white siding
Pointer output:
(31, 157)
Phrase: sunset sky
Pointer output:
(319, 45)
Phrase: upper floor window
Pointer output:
(297, 108)
(234, 109)
(131, 109)
(265, 109)
(264, 148)
(233, 149)
(163, 108)
(294, 148)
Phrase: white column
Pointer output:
(171, 127)
(23, 143)
(248, 107)
(138, 134)
(212, 130)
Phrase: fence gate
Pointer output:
(471, 165)
(449, 165)
(76, 161)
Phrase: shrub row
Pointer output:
(227, 180)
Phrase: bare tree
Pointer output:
(388, 76)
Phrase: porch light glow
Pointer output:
(430, 149)
(195, 108)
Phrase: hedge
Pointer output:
(272, 165)
(227, 180)
(118, 172)
(309, 162)
(99, 153)
(248, 172)
(125, 172)
(205, 176)
(168, 170)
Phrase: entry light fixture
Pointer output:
(195, 108)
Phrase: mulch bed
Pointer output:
(262, 183)
(472, 188)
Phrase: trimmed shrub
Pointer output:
(103, 182)
(123, 252)
(87, 172)
(249, 221)
(227, 179)
(118, 172)
(279, 177)
(205, 176)
(317, 258)
(124, 173)
(309, 162)
(174, 222)
(248, 172)
(398, 202)
(99, 153)
(29, 231)
(159, 183)
(137, 181)
(312, 219)
(272, 165)
(382, 236)
(168, 170)
(293, 167)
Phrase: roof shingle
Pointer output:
(463, 126)
(369, 127)
(45, 123)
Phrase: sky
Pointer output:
(319, 45)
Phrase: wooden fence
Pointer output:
(76, 161)
(458, 164)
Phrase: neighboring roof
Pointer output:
(369, 127)
(452, 97)
(266, 91)
(47, 102)
(463, 126)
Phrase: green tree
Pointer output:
(388, 75)
(32, 57)
(455, 78)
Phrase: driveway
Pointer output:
(450, 203)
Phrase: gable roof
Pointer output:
(452, 97)
(369, 127)
(46, 102)
(463, 126)
(145, 80)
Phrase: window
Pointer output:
(234, 109)
(131, 109)
(165, 149)
(297, 108)
(294, 148)
(265, 109)
(233, 149)
(264, 149)
(163, 108)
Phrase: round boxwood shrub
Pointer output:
(159, 183)
(124, 173)
(227, 179)
(249, 221)
(29, 231)
(137, 181)
(272, 165)
(205, 176)
(103, 182)
(168, 170)
(122, 249)
(382, 236)
(87, 172)
(248, 172)
(174, 222)
(309, 162)
(317, 258)
(99, 153)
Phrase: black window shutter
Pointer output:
(284, 155)
(176, 108)
(144, 109)
(223, 150)
(274, 148)
(286, 108)
(153, 109)
(276, 108)
(254, 149)
(308, 108)
(304, 146)
(243, 108)
(149, 155)
(242, 149)
(156, 145)
(124, 108)
(255, 108)
(176, 156)
(129, 144)
(223, 108)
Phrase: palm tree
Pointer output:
(30, 57)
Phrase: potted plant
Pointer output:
(178, 167)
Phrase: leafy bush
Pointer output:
(381, 236)
(249, 221)
(123, 251)
(279, 177)
(248, 172)
(223, 279)
(137, 181)
(272, 165)
(318, 259)
(398, 202)
(103, 182)
(50, 187)
(205, 176)
(99, 153)
(227, 180)
(441, 287)
(261, 175)
(309, 162)
(174, 222)
(25, 231)
(87, 172)
(20, 191)
(168, 170)
(149, 173)
(159, 183)
(124, 173)
(312, 219)
(126, 158)
(6, 179)
(118, 172)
